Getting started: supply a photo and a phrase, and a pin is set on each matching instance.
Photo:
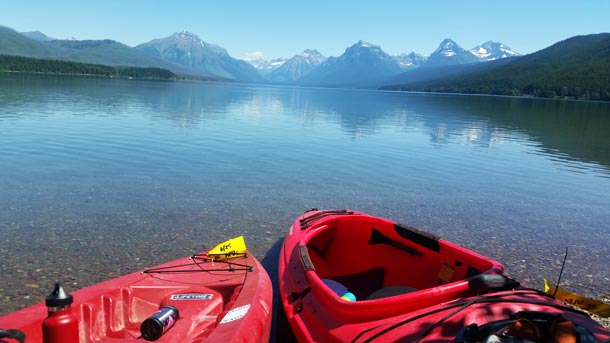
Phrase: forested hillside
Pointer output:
(578, 68)
(48, 66)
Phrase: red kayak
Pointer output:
(207, 297)
(346, 276)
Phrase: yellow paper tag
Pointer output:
(231, 248)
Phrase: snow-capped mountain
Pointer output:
(297, 67)
(410, 61)
(490, 51)
(448, 53)
(265, 66)
(361, 65)
(188, 50)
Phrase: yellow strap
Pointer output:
(593, 306)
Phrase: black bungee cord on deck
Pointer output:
(199, 261)
(460, 306)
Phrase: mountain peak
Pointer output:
(362, 47)
(310, 53)
(189, 41)
(448, 47)
(363, 44)
(188, 36)
(449, 52)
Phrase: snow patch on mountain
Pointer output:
(296, 67)
(490, 51)
(257, 60)
(410, 61)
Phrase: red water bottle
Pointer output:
(61, 325)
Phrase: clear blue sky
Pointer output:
(285, 28)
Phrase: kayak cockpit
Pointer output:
(374, 259)
(119, 314)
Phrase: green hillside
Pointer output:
(578, 67)
(48, 66)
(14, 43)
(106, 52)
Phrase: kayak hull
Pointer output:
(474, 319)
(228, 301)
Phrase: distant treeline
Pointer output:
(586, 82)
(591, 85)
(575, 89)
(48, 66)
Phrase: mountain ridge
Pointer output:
(15, 44)
(573, 68)
(189, 51)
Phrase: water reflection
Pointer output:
(566, 130)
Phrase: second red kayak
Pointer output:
(346, 276)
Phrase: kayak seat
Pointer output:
(361, 284)
(390, 291)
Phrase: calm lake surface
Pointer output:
(103, 177)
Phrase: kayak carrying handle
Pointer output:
(305, 259)
(378, 238)
(306, 221)
(12, 333)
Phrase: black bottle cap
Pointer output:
(59, 297)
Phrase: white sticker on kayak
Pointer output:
(235, 314)
(192, 296)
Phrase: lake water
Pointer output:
(103, 177)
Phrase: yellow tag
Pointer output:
(596, 307)
(231, 248)
(445, 274)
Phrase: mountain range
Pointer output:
(363, 65)
(575, 67)
(366, 65)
